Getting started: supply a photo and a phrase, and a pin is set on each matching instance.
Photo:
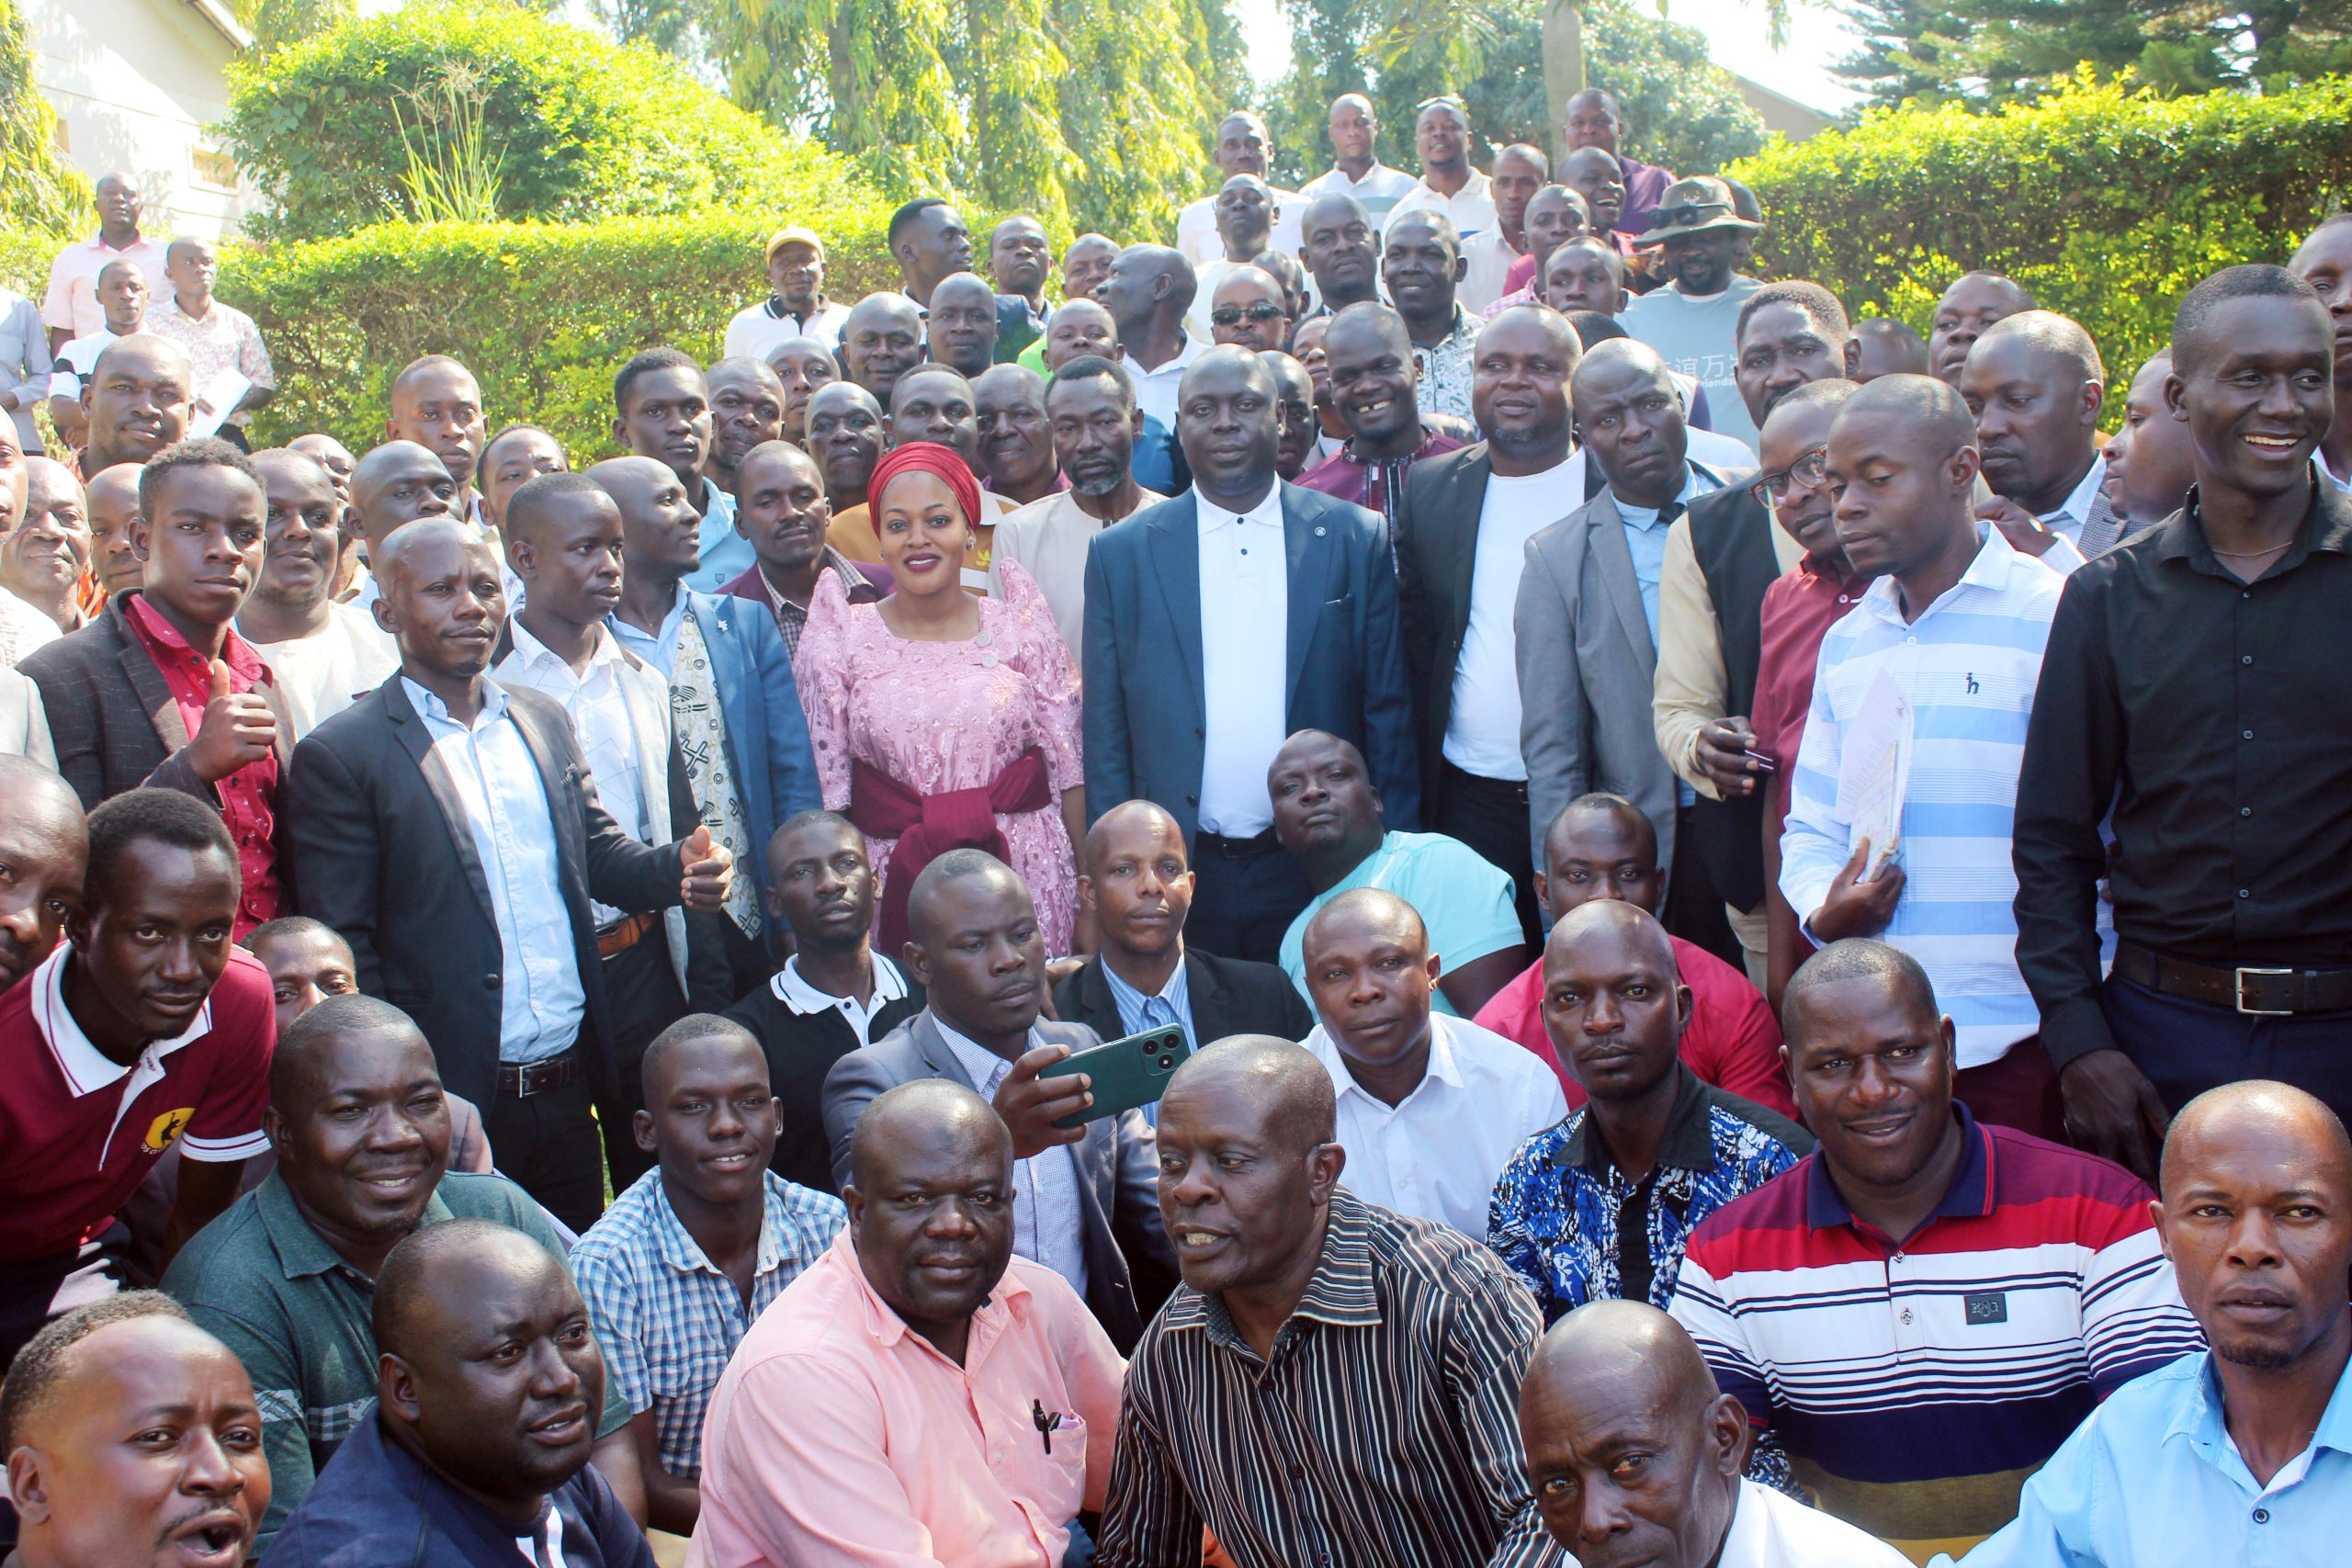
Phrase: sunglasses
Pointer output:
(1805, 473)
(1689, 214)
(1233, 315)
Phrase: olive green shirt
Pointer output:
(270, 1287)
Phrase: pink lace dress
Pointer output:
(951, 716)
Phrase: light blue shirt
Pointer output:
(1048, 1226)
(540, 1001)
(1138, 1012)
(1464, 901)
(1646, 541)
(2152, 1477)
(726, 554)
(658, 648)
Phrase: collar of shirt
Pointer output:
(438, 717)
(658, 641)
(1697, 481)
(1443, 1068)
(778, 311)
(1969, 1196)
(1176, 993)
(2077, 509)
(602, 652)
(1811, 570)
(886, 1328)
(302, 1252)
(985, 1067)
(161, 635)
(1340, 1292)
(1267, 513)
(1189, 349)
(2200, 1423)
(2327, 526)
(1688, 1142)
(790, 988)
(684, 1255)
(1466, 328)
(1995, 559)
(86, 1069)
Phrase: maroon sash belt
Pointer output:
(927, 826)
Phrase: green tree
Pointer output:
(40, 191)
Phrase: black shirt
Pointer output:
(2215, 718)
(801, 1048)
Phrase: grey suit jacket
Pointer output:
(1130, 1268)
(1586, 670)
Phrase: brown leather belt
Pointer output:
(622, 934)
(538, 1077)
(2256, 991)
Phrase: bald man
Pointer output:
(376, 848)
(1967, 308)
(46, 849)
(437, 402)
(1431, 1108)
(113, 495)
(1599, 1205)
(1622, 1378)
(488, 1371)
(1149, 291)
(1360, 1299)
(921, 1394)
(2239, 1451)
(1356, 171)
(1884, 346)
(2035, 384)
(133, 1438)
(1955, 625)
(1135, 879)
(392, 486)
(136, 400)
(882, 339)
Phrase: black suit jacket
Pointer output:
(1230, 996)
(115, 723)
(1437, 548)
(386, 857)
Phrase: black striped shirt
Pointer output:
(1382, 1434)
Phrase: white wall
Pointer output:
(135, 82)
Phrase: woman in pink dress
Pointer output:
(939, 719)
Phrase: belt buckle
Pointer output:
(2243, 971)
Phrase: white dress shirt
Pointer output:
(541, 1002)
(1245, 649)
(658, 648)
(1482, 727)
(1472, 208)
(1771, 1530)
(757, 331)
(600, 716)
(793, 989)
(1156, 389)
(1437, 1153)
(1487, 257)
(1048, 1224)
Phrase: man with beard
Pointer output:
(796, 306)
(287, 1276)
(920, 1318)
(1720, 557)
(1421, 264)
(323, 656)
(882, 340)
(1094, 425)
(781, 508)
(845, 433)
(436, 403)
(136, 400)
(1016, 447)
(1244, 146)
(1694, 320)
(1969, 304)
(487, 1370)
(2035, 384)
(161, 690)
(803, 365)
(2240, 1449)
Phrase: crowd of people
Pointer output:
(1738, 923)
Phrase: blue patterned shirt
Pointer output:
(667, 1318)
(1561, 1203)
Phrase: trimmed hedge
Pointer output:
(542, 313)
(2107, 203)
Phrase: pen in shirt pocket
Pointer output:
(1047, 1422)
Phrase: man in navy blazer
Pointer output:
(1191, 607)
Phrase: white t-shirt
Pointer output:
(1482, 733)
(758, 329)
(324, 673)
(76, 359)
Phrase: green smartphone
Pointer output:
(1128, 1074)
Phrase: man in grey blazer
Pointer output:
(1586, 626)
(1086, 1202)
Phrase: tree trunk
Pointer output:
(1563, 66)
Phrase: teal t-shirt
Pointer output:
(1464, 899)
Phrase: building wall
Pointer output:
(134, 83)
(1781, 113)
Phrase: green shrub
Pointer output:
(2107, 203)
(581, 129)
(543, 313)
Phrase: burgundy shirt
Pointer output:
(249, 795)
(1799, 606)
(1367, 484)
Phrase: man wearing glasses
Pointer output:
(1721, 556)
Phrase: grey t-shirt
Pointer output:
(1698, 338)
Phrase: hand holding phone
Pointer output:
(1122, 1074)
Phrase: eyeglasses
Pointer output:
(1232, 315)
(1805, 473)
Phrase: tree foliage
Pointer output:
(1089, 116)
(579, 129)
(1681, 110)
(2108, 203)
(40, 193)
(1986, 52)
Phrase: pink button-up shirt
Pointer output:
(838, 1436)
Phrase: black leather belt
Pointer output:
(538, 1077)
(1207, 843)
(2256, 991)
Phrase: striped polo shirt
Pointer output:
(1914, 1384)
(1969, 666)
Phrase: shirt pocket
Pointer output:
(1063, 1476)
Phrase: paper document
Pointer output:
(1874, 770)
(224, 392)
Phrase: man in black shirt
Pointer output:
(2193, 693)
(833, 996)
